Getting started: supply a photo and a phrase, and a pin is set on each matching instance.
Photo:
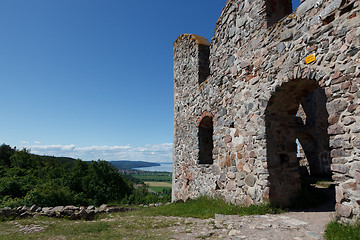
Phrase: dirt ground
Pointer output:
(286, 226)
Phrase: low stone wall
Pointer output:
(72, 212)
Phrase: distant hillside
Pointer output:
(56, 160)
(132, 164)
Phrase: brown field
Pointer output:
(158, 184)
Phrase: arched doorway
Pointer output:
(296, 119)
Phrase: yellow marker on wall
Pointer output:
(310, 58)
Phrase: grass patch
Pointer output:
(116, 226)
(337, 231)
(325, 184)
(53, 229)
(205, 207)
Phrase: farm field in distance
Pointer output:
(157, 181)
(154, 176)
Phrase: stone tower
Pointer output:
(271, 84)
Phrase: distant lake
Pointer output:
(164, 167)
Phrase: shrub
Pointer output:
(337, 231)
(49, 194)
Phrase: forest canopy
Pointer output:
(28, 179)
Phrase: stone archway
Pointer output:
(297, 110)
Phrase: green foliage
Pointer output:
(5, 153)
(337, 231)
(138, 196)
(98, 181)
(12, 202)
(27, 179)
(163, 192)
(206, 207)
(23, 160)
(49, 194)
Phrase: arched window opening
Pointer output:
(206, 141)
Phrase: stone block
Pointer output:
(240, 183)
(337, 106)
(247, 168)
(227, 139)
(231, 185)
(231, 175)
(349, 185)
(339, 194)
(342, 210)
(335, 129)
(240, 166)
(339, 152)
(352, 107)
(58, 209)
(336, 142)
(348, 120)
(356, 142)
(357, 177)
(216, 169)
(222, 177)
(250, 180)
(340, 168)
(33, 208)
(240, 175)
(334, 118)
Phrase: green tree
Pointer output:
(23, 159)
(104, 183)
(5, 153)
(49, 194)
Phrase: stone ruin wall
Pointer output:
(253, 83)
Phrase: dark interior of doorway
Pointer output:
(298, 151)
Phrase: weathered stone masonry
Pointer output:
(252, 83)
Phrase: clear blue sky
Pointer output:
(93, 79)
